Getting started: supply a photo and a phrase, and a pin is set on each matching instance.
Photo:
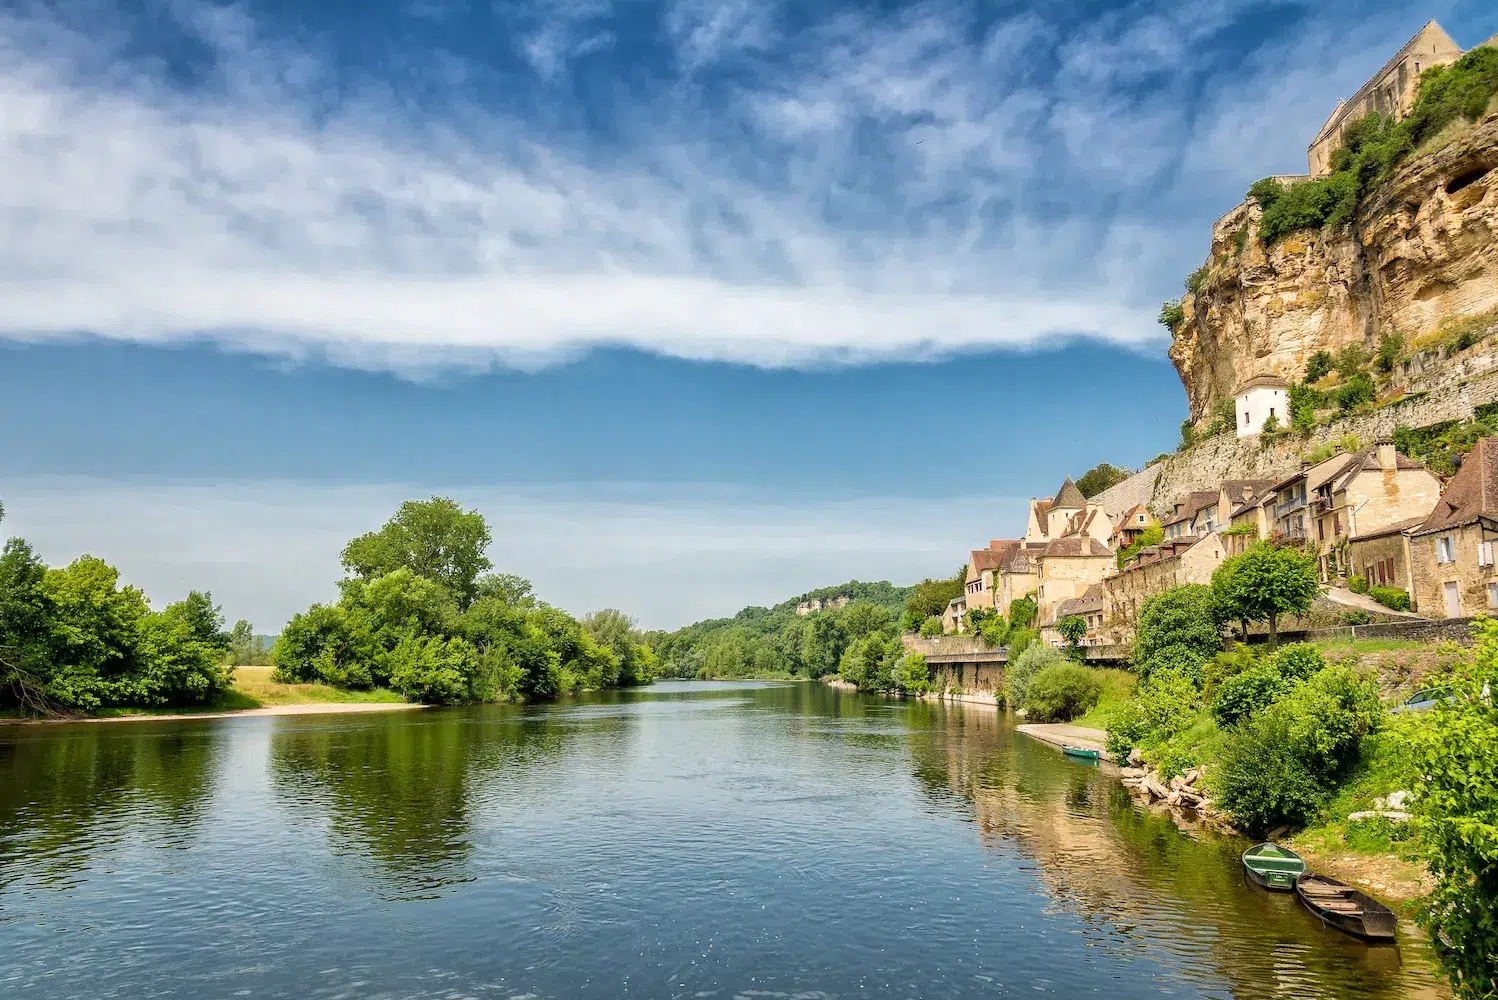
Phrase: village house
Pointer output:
(1292, 516)
(952, 619)
(1131, 524)
(1451, 552)
(1259, 400)
(983, 565)
(1068, 566)
(1019, 575)
(1382, 556)
(1374, 489)
(1157, 568)
(1091, 607)
(1182, 515)
(1250, 521)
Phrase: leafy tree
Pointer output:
(435, 539)
(1072, 629)
(1179, 629)
(1241, 695)
(1318, 366)
(507, 588)
(1264, 583)
(862, 618)
(931, 597)
(931, 627)
(1171, 315)
(1022, 612)
(1304, 401)
(1165, 705)
(616, 631)
(1353, 392)
(1153, 534)
(1099, 478)
(1351, 360)
(1061, 692)
(823, 645)
(1456, 813)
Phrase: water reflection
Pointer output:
(70, 794)
(1141, 884)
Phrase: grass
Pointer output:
(254, 684)
(1118, 687)
(1342, 644)
(252, 688)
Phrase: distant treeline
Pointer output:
(777, 642)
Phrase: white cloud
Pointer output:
(886, 186)
(665, 555)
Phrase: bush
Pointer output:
(1239, 697)
(1390, 346)
(1456, 817)
(1355, 391)
(1022, 670)
(912, 676)
(1229, 663)
(1298, 661)
(931, 627)
(1197, 279)
(1165, 706)
(1391, 597)
(1357, 616)
(1357, 584)
(1171, 315)
(994, 632)
(1352, 360)
(1304, 401)
(1019, 640)
(1280, 764)
(1179, 629)
(1061, 692)
(1319, 366)
(433, 671)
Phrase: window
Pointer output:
(1445, 550)
(1321, 530)
(1141, 518)
(1245, 420)
(1493, 595)
(1336, 524)
(1271, 411)
(1484, 553)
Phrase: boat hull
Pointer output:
(1272, 867)
(1367, 918)
(1080, 753)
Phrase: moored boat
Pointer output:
(1272, 866)
(1341, 906)
(1081, 753)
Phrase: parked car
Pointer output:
(1424, 700)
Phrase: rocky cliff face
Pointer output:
(1424, 248)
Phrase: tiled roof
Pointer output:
(1242, 490)
(1471, 494)
(1075, 547)
(1093, 599)
(1262, 382)
(1021, 558)
(982, 559)
(1367, 461)
(1389, 529)
(1069, 497)
(1194, 502)
(1042, 510)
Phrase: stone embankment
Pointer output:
(1182, 793)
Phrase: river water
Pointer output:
(687, 840)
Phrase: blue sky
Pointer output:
(708, 302)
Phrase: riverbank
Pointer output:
(252, 693)
(1386, 876)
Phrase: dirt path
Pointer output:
(321, 708)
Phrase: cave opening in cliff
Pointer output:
(1467, 179)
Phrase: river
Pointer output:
(686, 840)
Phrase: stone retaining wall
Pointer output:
(1458, 630)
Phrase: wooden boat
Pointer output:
(1272, 866)
(1341, 906)
(1082, 753)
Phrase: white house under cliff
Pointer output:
(1258, 399)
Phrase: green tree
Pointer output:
(1390, 346)
(1072, 629)
(863, 618)
(1264, 583)
(1319, 366)
(507, 588)
(931, 597)
(823, 645)
(616, 631)
(931, 627)
(1456, 813)
(1179, 629)
(1099, 478)
(435, 539)
(1022, 612)
(1021, 670)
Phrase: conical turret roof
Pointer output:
(1069, 497)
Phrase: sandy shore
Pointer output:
(1063, 735)
(324, 708)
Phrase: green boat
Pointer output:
(1273, 866)
(1082, 753)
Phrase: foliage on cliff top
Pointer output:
(1374, 146)
(1100, 477)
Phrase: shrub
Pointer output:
(1298, 661)
(1351, 360)
(1279, 765)
(1357, 616)
(1179, 629)
(1353, 392)
(1319, 365)
(1197, 279)
(994, 632)
(433, 671)
(1304, 401)
(1019, 640)
(1390, 346)
(1240, 696)
(1171, 315)
(1022, 670)
(931, 627)
(1391, 597)
(1229, 663)
(1165, 705)
(1022, 612)
(1456, 817)
(912, 676)
(1061, 692)
(1357, 584)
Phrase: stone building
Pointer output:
(1068, 566)
(1391, 92)
(1091, 607)
(1451, 552)
(1374, 489)
(1157, 568)
(983, 568)
(1382, 556)
(1019, 575)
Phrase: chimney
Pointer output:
(1387, 457)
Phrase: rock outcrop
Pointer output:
(1423, 248)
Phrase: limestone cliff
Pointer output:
(1424, 247)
